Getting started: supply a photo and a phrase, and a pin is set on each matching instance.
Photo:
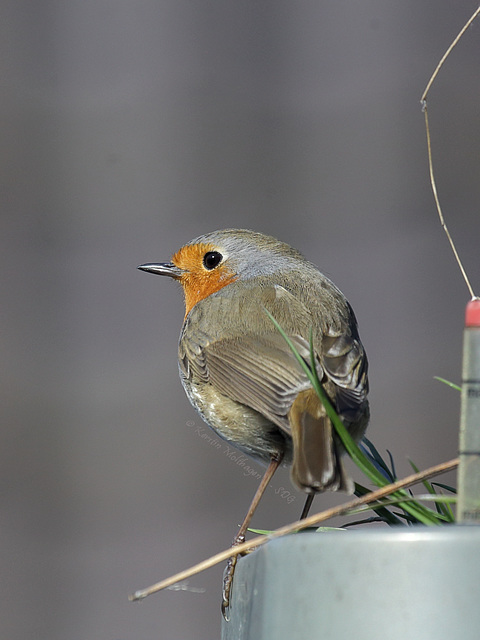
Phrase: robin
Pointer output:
(241, 376)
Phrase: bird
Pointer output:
(242, 377)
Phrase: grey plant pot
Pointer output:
(391, 584)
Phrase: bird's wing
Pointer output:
(258, 369)
(345, 363)
(260, 372)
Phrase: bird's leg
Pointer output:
(240, 537)
(307, 505)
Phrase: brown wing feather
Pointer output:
(259, 370)
(345, 364)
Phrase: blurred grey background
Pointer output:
(128, 128)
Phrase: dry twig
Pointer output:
(296, 526)
(429, 150)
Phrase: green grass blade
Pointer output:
(383, 513)
(442, 505)
(447, 487)
(448, 383)
(369, 449)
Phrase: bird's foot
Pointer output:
(228, 578)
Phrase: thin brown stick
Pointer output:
(296, 526)
(429, 148)
(448, 52)
(439, 208)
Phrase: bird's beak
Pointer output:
(162, 269)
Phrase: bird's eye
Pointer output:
(212, 259)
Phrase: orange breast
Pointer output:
(197, 281)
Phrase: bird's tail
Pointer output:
(316, 463)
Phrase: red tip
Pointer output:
(472, 313)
